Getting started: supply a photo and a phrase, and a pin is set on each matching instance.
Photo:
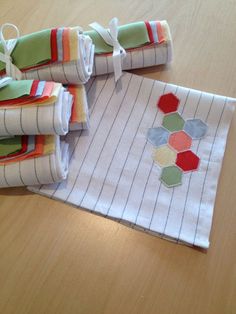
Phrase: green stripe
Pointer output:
(31, 50)
(130, 36)
(10, 146)
(15, 89)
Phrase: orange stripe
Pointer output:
(74, 113)
(66, 44)
(37, 152)
(161, 38)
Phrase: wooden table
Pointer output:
(57, 259)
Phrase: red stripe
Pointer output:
(34, 88)
(3, 72)
(149, 29)
(14, 101)
(54, 55)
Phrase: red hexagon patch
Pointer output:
(187, 161)
(168, 103)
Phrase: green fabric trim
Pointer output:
(130, 36)
(15, 89)
(31, 50)
(10, 146)
(35, 49)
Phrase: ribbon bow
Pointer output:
(110, 37)
(8, 46)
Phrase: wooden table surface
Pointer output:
(58, 259)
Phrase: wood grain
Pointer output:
(57, 259)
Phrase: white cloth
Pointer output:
(42, 170)
(142, 57)
(43, 119)
(73, 72)
(111, 167)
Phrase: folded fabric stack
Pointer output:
(33, 159)
(146, 43)
(62, 54)
(38, 107)
(35, 110)
(28, 109)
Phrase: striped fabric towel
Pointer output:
(112, 171)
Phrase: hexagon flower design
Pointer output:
(173, 140)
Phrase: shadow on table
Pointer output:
(15, 191)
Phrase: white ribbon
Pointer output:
(110, 37)
(5, 81)
(8, 46)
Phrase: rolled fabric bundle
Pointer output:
(146, 44)
(34, 107)
(63, 55)
(32, 160)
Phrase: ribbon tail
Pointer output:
(13, 71)
(117, 65)
(8, 69)
(18, 73)
(5, 81)
(110, 36)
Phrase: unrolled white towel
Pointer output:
(112, 172)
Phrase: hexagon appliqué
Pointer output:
(164, 156)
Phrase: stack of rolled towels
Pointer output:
(49, 100)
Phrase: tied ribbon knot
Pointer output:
(110, 36)
(8, 47)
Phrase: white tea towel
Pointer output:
(112, 172)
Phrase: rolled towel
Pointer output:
(62, 54)
(146, 44)
(32, 160)
(37, 107)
